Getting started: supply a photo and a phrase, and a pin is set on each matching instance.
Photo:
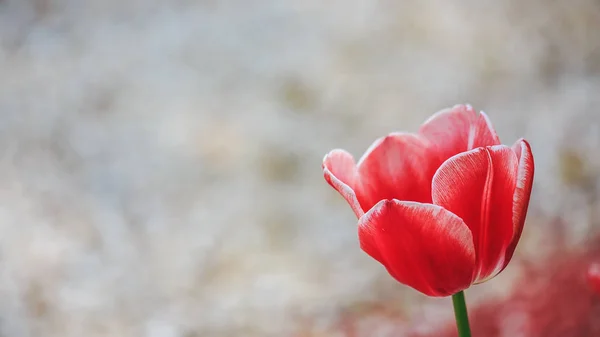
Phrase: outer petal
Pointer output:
(340, 172)
(459, 129)
(398, 166)
(422, 245)
(478, 186)
(522, 191)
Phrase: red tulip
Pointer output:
(441, 209)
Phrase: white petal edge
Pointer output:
(346, 191)
(445, 111)
(490, 126)
(525, 159)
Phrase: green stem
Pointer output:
(460, 313)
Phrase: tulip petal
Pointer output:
(398, 166)
(421, 245)
(522, 194)
(478, 186)
(459, 129)
(340, 172)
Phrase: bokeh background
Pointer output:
(160, 161)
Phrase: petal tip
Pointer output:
(523, 147)
(386, 140)
(339, 170)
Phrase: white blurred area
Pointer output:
(160, 160)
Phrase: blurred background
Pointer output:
(160, 161)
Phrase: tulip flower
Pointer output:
(443, 208)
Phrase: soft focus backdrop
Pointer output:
(160, 161)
